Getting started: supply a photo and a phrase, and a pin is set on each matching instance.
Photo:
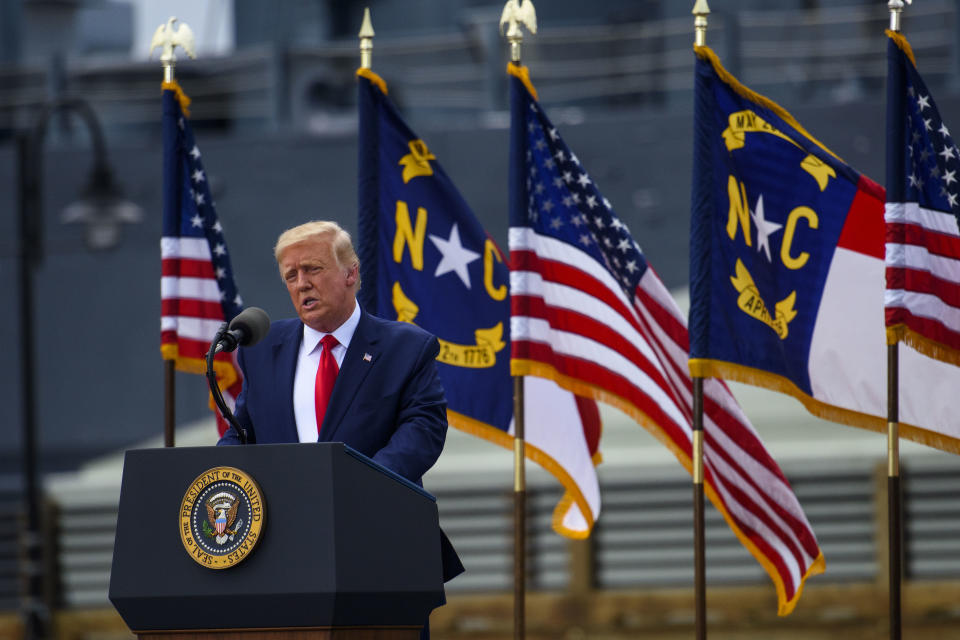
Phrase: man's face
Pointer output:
(322, 291)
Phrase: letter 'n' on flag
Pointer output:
(591, 314)
(197, 289)
(923, 201)
(787, 248)
(426, 259)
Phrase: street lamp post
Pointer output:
(103, 209)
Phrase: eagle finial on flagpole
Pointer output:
(167, 38)
(896, 8)
(700, 12)
(366, 40)
(516, 13)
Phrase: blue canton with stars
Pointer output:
(932, 156)
(560, 199)
(188, 210)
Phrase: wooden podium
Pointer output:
(345, 550)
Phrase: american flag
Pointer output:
(923, 202)
(590, 313)
(197, 290)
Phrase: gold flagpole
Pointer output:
(366, 40)
(700, 12)
(519, 514)
(893, 489)
(515, 13)
(894, 527)
(167, 39)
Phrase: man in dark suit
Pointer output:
(340, 374)
(386, 402)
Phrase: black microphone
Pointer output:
(247, 329)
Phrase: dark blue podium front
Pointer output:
(344, 543)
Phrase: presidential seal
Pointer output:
(221, 517)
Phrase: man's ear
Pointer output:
(353, 274)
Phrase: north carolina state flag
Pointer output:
(787, 276)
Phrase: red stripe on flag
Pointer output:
(679, 382)
(664, 319)
(186, 268)
(918, 281)
(590, 421)
(563, 273)
(864, 230)
(938, 244)
(186, 307)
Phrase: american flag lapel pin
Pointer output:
(367, 357)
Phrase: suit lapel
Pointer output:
(360, 358)
(286, 348)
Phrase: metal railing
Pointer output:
(643, 539)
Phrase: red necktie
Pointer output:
(326, 377)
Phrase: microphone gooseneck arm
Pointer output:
(215, 387)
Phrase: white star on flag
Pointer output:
(765, 228)
(454, 256)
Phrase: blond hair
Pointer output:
(340, 241)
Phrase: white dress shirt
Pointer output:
(304, 380)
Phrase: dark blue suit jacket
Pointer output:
(387, 402)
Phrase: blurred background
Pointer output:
(274, 112)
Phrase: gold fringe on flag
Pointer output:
(706, 368)
(372, 77)
(182, 97)
(225, 371)
(523, 74)
(901, 41)
(926, 346)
